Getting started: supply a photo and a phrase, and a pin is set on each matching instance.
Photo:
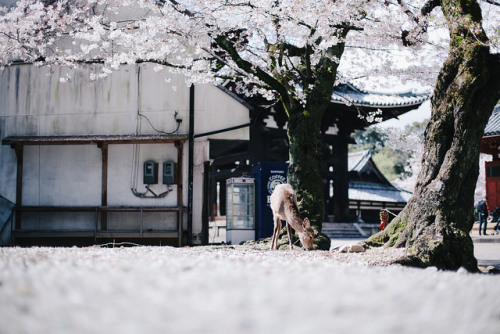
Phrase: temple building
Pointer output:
(348, 112)
(370, 191)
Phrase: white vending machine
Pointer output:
(240, 210)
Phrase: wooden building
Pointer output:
(370, 191)
(268, 142)
(109, 160)
(490, 144)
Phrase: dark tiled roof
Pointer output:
(380, 191)
(359, 191)
(351, 95)
(493, 126)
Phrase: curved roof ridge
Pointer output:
(396, 93)
(493, 126)
(358, 160)
(351, 95)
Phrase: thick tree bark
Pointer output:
(304, 129)
(436, 223)
(304, 170)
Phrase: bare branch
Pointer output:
(429, 7)
(251, 69)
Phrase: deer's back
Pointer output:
(284, 203)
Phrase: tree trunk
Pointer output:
(304, 171)
(436, 223)
(304, 130)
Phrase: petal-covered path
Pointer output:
(236, 290)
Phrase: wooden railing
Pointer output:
(100, 232)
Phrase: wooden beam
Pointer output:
(104, 184)
(341, 177)
(19, 182)
(93, 139)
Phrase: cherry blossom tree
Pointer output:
(436, 223)
(283, 50)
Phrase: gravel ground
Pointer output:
(236, 290)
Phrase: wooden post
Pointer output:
(341, 177)
(19, 149)
(104, 184)
(179, 181)
(178, 172)
(206, 203)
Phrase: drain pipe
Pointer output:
(190, 167)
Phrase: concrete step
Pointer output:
(341, 230)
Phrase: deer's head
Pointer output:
(306, 236)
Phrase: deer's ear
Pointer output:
(306, 222)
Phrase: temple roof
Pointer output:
(360, 191)
(357, 161)
(351, 95)
(367, 183)
(362, 168)
(493, 126)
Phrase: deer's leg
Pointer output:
(276, 232)
(288, 227)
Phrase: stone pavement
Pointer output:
(486, 247)
(491, 234)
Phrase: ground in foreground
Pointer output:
(236, 290)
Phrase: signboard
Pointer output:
(267, 176)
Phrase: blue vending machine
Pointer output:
(267, 176)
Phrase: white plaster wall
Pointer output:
(216, 110)
(201, 154)
(62, 175)
(161, 97)
(37, 103)
(8, 173)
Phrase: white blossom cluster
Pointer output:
(269, 38)
(411, 143)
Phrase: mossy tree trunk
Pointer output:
(436, 223)
(304, 129)
(304, 171)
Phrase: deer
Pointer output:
(284, 207)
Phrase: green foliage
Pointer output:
(371, 138)
(391, 162)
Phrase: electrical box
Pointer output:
(168, 172)
(150, 172)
